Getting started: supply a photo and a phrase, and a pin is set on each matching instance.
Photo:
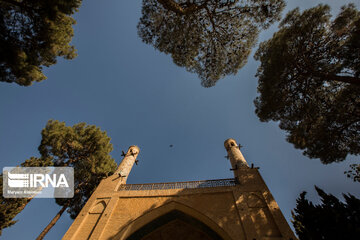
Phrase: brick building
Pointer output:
(241, 208)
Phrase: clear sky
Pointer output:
(138, 96)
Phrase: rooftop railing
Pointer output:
(179, 185)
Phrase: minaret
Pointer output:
(236, 158)
(127, 163)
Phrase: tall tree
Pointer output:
(10, 207)
(32, 35)
(309, 81)
(212, 38)
(330, 220)
(85, 148)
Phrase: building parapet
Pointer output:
(179, 185)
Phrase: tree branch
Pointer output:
(329, 77)
(175, 7)
(211, 19)
(13, 2)
(345, 79)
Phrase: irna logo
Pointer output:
(36, 180)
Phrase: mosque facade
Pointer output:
(240, 208)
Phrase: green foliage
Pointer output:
(354, 172)
(32, 35)
(330, 220)
(85, 148)
(211, 38)
(10, 207)
(309, 81)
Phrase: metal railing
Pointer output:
(179, 185)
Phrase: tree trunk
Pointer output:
(345, 79)
(332, 77)
(53, 222)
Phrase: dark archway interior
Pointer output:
(175, 225)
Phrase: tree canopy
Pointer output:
(309, 81)
(212, 38)
(32, 35)
(331, 219)
(85, 148)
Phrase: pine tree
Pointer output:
(212, 38)
(330, 220)
(10, 207)
(85, 148)
(309, 81)
(32, 35)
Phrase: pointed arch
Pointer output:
(164, 214)
(98, 207)
(255, 201)
(172, 224)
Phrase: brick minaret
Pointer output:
(237, 160)
(127, 163)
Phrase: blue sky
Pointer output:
(139, 96)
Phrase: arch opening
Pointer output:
(175, 225)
